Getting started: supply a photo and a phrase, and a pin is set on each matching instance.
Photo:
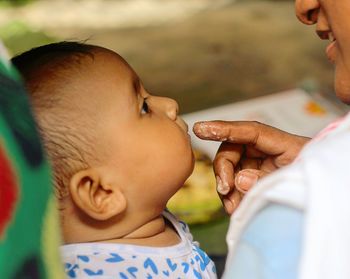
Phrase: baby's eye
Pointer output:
(145, 108)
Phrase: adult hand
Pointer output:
(249, 150)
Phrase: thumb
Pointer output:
(247, 178)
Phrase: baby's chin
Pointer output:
(192, 164)
(189, 160)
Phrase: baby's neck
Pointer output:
(157, 232)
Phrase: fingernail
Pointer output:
(246, 180)
(229, 206)
(222, 188)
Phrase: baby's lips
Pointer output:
(183, 125)
(186, 126)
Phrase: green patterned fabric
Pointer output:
(29, 231)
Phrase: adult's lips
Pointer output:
(331, 48)
(331, 51)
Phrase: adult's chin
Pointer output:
(342, 84)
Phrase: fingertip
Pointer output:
(199, 128)
(209, 130)
(198, 123)
(228, 206)
(221, 187)
(245, 180)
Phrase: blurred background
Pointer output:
(203, 53)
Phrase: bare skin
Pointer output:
(120, 197)
(249, 151)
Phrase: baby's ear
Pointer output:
(101, 201)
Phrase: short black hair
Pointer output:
(46, 71)
(32, 60)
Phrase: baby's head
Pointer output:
(116, 150)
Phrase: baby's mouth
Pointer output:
(183, 125)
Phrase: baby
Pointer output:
(118, 155)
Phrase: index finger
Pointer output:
(265, 138)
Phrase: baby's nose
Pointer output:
(171, 108)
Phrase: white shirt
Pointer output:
(107, 261)
(317, 184)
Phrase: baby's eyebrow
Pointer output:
(136, 84)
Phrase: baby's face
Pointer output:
(146, 146)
